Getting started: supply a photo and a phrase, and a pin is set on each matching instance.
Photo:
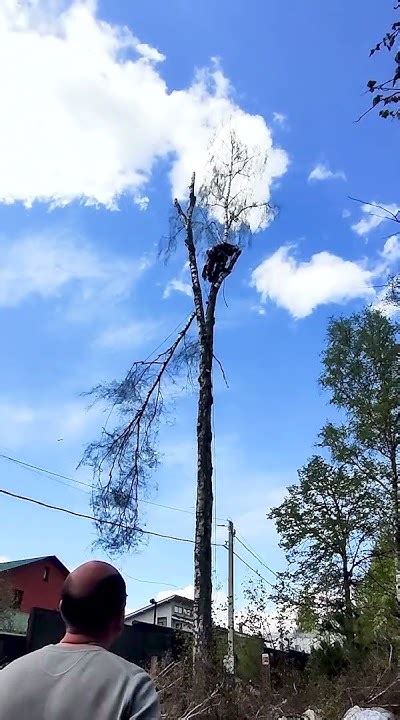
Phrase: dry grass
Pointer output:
(330, 699)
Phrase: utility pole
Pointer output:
(230, 660)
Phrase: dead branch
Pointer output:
(167, 669)
(162, 361)
(201, 707)
(187, 223)
(392, 216)
(171, 684)
(221, 367)
(382, 692)
(129, 452)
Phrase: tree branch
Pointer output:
(129, 452)
(187, 219)
(221, 367)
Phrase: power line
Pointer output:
(255, 555)
(91, 517)
(147, 582)
(167, 507)
(99, 521)
(43, 470)
(253, 569)
(140, 580)
(168, 337)
(46, 471)
(57, 476)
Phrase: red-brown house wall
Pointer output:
(37, 592)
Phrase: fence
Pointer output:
(12, 646)
(138, 643)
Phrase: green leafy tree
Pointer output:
(307, 618)
(256, 616)
(327, 524)
(374, 597)
(361, 372)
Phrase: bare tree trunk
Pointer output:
(204, 502)
(204, 505)
(187, 219)
(396, 499)
(227, 207)
(348, 606)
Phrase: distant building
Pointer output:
(174, 612)
(304, 641)
(35, 582)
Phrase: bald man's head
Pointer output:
(93, 599)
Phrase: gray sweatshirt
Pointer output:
(76, 682)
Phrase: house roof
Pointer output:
(14, 564)
(179, 598)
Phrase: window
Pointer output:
(187, 612)
(177, 625)
(18, 595)
(162, 621)
(178, 610)
(46, 574)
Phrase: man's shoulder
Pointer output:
(105, 660)
(120, 664)
(30, 659)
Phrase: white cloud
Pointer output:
(390, 255)
(23, 424)
(89, 114)
(15, 420)
(131, 335)
(301, 286)
(187, 592)
(142, 201)
(74, 421)
(374, 216)
(180, 284)
(44, 265)
(346, 214)
(391, 249)
(4, 558)
(150, 53)
(322, 172)
(279, 119)
(177, 285)
(259, 309)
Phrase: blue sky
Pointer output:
(106, 110)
